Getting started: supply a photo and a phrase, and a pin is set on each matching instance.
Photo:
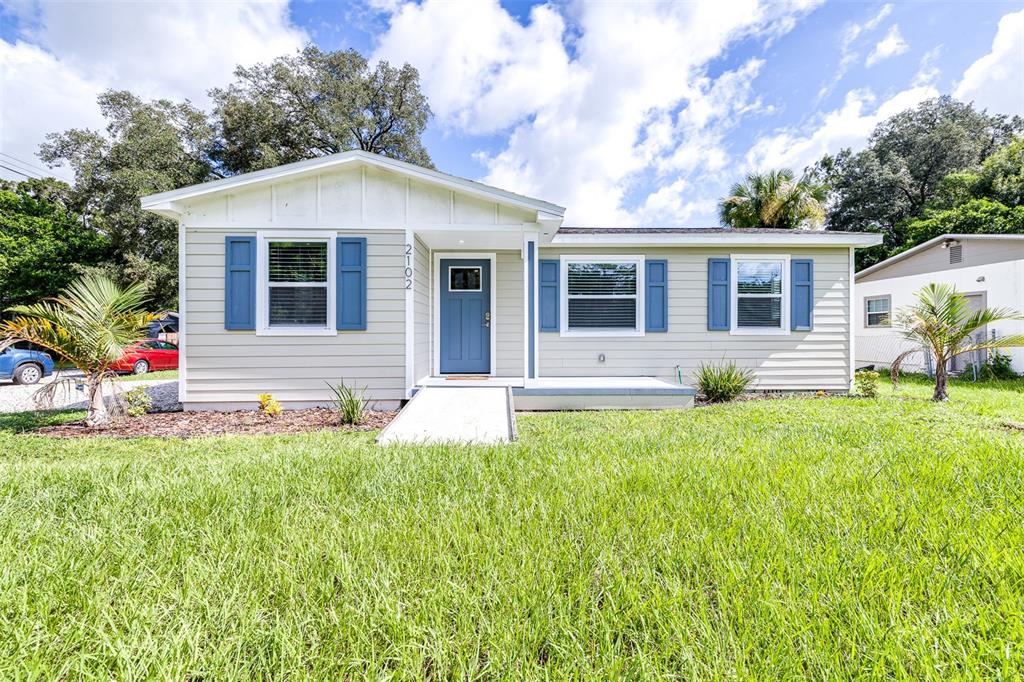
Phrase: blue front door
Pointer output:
(465, 316)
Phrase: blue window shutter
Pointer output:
(656, 295)
(802, 294)
(718, 294)
(549, 299)
(240, 282)
(351, 284)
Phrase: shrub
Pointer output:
(866, 381)
(137, 402)
(722, 383)
(268, 405)
(997, 366)
(349, 402)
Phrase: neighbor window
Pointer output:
(876, 311)
(297, 284)
(759, 293)
(603, 296)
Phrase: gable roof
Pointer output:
(929, 244)
(164, 202)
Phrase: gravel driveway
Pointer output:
(15, 398)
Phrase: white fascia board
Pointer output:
(858, 240)
(165, 200)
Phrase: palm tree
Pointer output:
(88, 325)
(942, 322)
(774, 199)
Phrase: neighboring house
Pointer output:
(360, 268)
(987, 268)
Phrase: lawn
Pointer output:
(792, 538)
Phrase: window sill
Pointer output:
(602, 332)
(295, 331)
(759, 331)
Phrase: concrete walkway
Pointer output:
(454, 414)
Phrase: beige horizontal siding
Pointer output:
(509, 314)
(236, 366)
(421, 311)
(818, 359)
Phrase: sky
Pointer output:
(625, 113)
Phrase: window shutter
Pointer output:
(718, 294)
(549, 295)
(656, 295)
(240, 282)
(802, 294)
(351, 293)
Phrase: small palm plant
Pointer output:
(942, 322)
(774, 199)
(88, 325)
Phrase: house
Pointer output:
(987, 268)
(389, 276)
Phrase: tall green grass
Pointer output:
(795, 538)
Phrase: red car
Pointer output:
(150, 355)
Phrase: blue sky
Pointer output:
(628, 113)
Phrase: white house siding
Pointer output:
(421, 310)
(509, 314)
(230, 368)
(813, 360)
(998, 263)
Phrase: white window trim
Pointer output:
(263, 327)
(564, 295)
(734, 328)
(867, 313)
(479, 288)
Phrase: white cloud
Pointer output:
(170, 49)
(591, 105)
(994, 81)
(927, 71)
(891, 45)
(847, 55)
(848, 126)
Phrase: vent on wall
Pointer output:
(956, 254)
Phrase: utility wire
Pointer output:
(19, 172)
(25, 164)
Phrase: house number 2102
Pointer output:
(408, 266)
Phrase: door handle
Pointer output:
(487, 319)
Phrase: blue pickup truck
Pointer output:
(24, 366)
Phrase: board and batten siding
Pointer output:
(817, 359)
(422, 309)
(228, 368)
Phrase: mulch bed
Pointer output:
(194, 424)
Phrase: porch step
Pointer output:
(454, 414)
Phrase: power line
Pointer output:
(19, 172)
(25, 164)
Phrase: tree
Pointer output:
(942, 322)
(88, 325)
(908, 156)
(317, 103)
(42, 241)
(977, 216)
(148, 147)
(774, 199)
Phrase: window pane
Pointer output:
(298, 306)
(878, 305)
(878, 319)
(602, 279)
(602, 313)
(464, 279)
(298, 261)
(759, 277)
(759, 312)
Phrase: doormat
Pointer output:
(468, 377)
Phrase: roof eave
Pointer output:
(856, 240)
(927, 245)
